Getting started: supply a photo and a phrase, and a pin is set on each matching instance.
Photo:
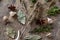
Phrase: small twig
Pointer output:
(33, 10)
(18, 35)
(32, 14)
(50, 3)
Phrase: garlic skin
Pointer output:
(5, 18)
(50, 20)
(48, 34)
(11, 13)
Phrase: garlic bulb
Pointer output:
(5, 18)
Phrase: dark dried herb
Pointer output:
(41, 21)
(12, 8)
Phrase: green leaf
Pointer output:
(21, 17)
(10, 32)
(46, 28)
(53, 11)
(33, 37)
